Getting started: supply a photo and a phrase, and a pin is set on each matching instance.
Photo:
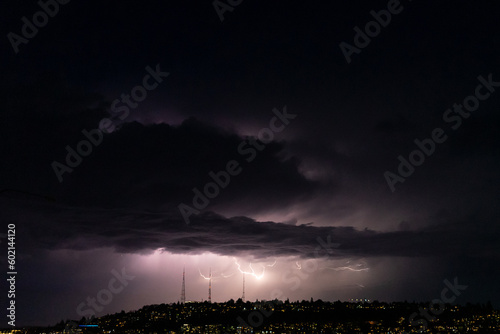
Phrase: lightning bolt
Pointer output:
(252, 272)
(271, 265)
(298, 265)
(214, 277)
(346, 268)
(204, 277)
(361, 266)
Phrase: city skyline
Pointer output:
(293, 317)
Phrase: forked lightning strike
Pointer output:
(214, 277)
(252, 273)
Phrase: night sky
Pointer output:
(284, 141)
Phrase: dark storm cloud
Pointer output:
(159, 165)
(154, 166)
(51, 226)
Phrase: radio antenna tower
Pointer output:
(210, 286)
(243, 296)
(183, 291)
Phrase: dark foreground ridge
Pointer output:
(289, 317)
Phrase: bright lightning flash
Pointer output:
(360, 266)
(252, 272)
(214, 277)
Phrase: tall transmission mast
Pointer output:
(210, 286)
(183, 291)
(243, 296)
